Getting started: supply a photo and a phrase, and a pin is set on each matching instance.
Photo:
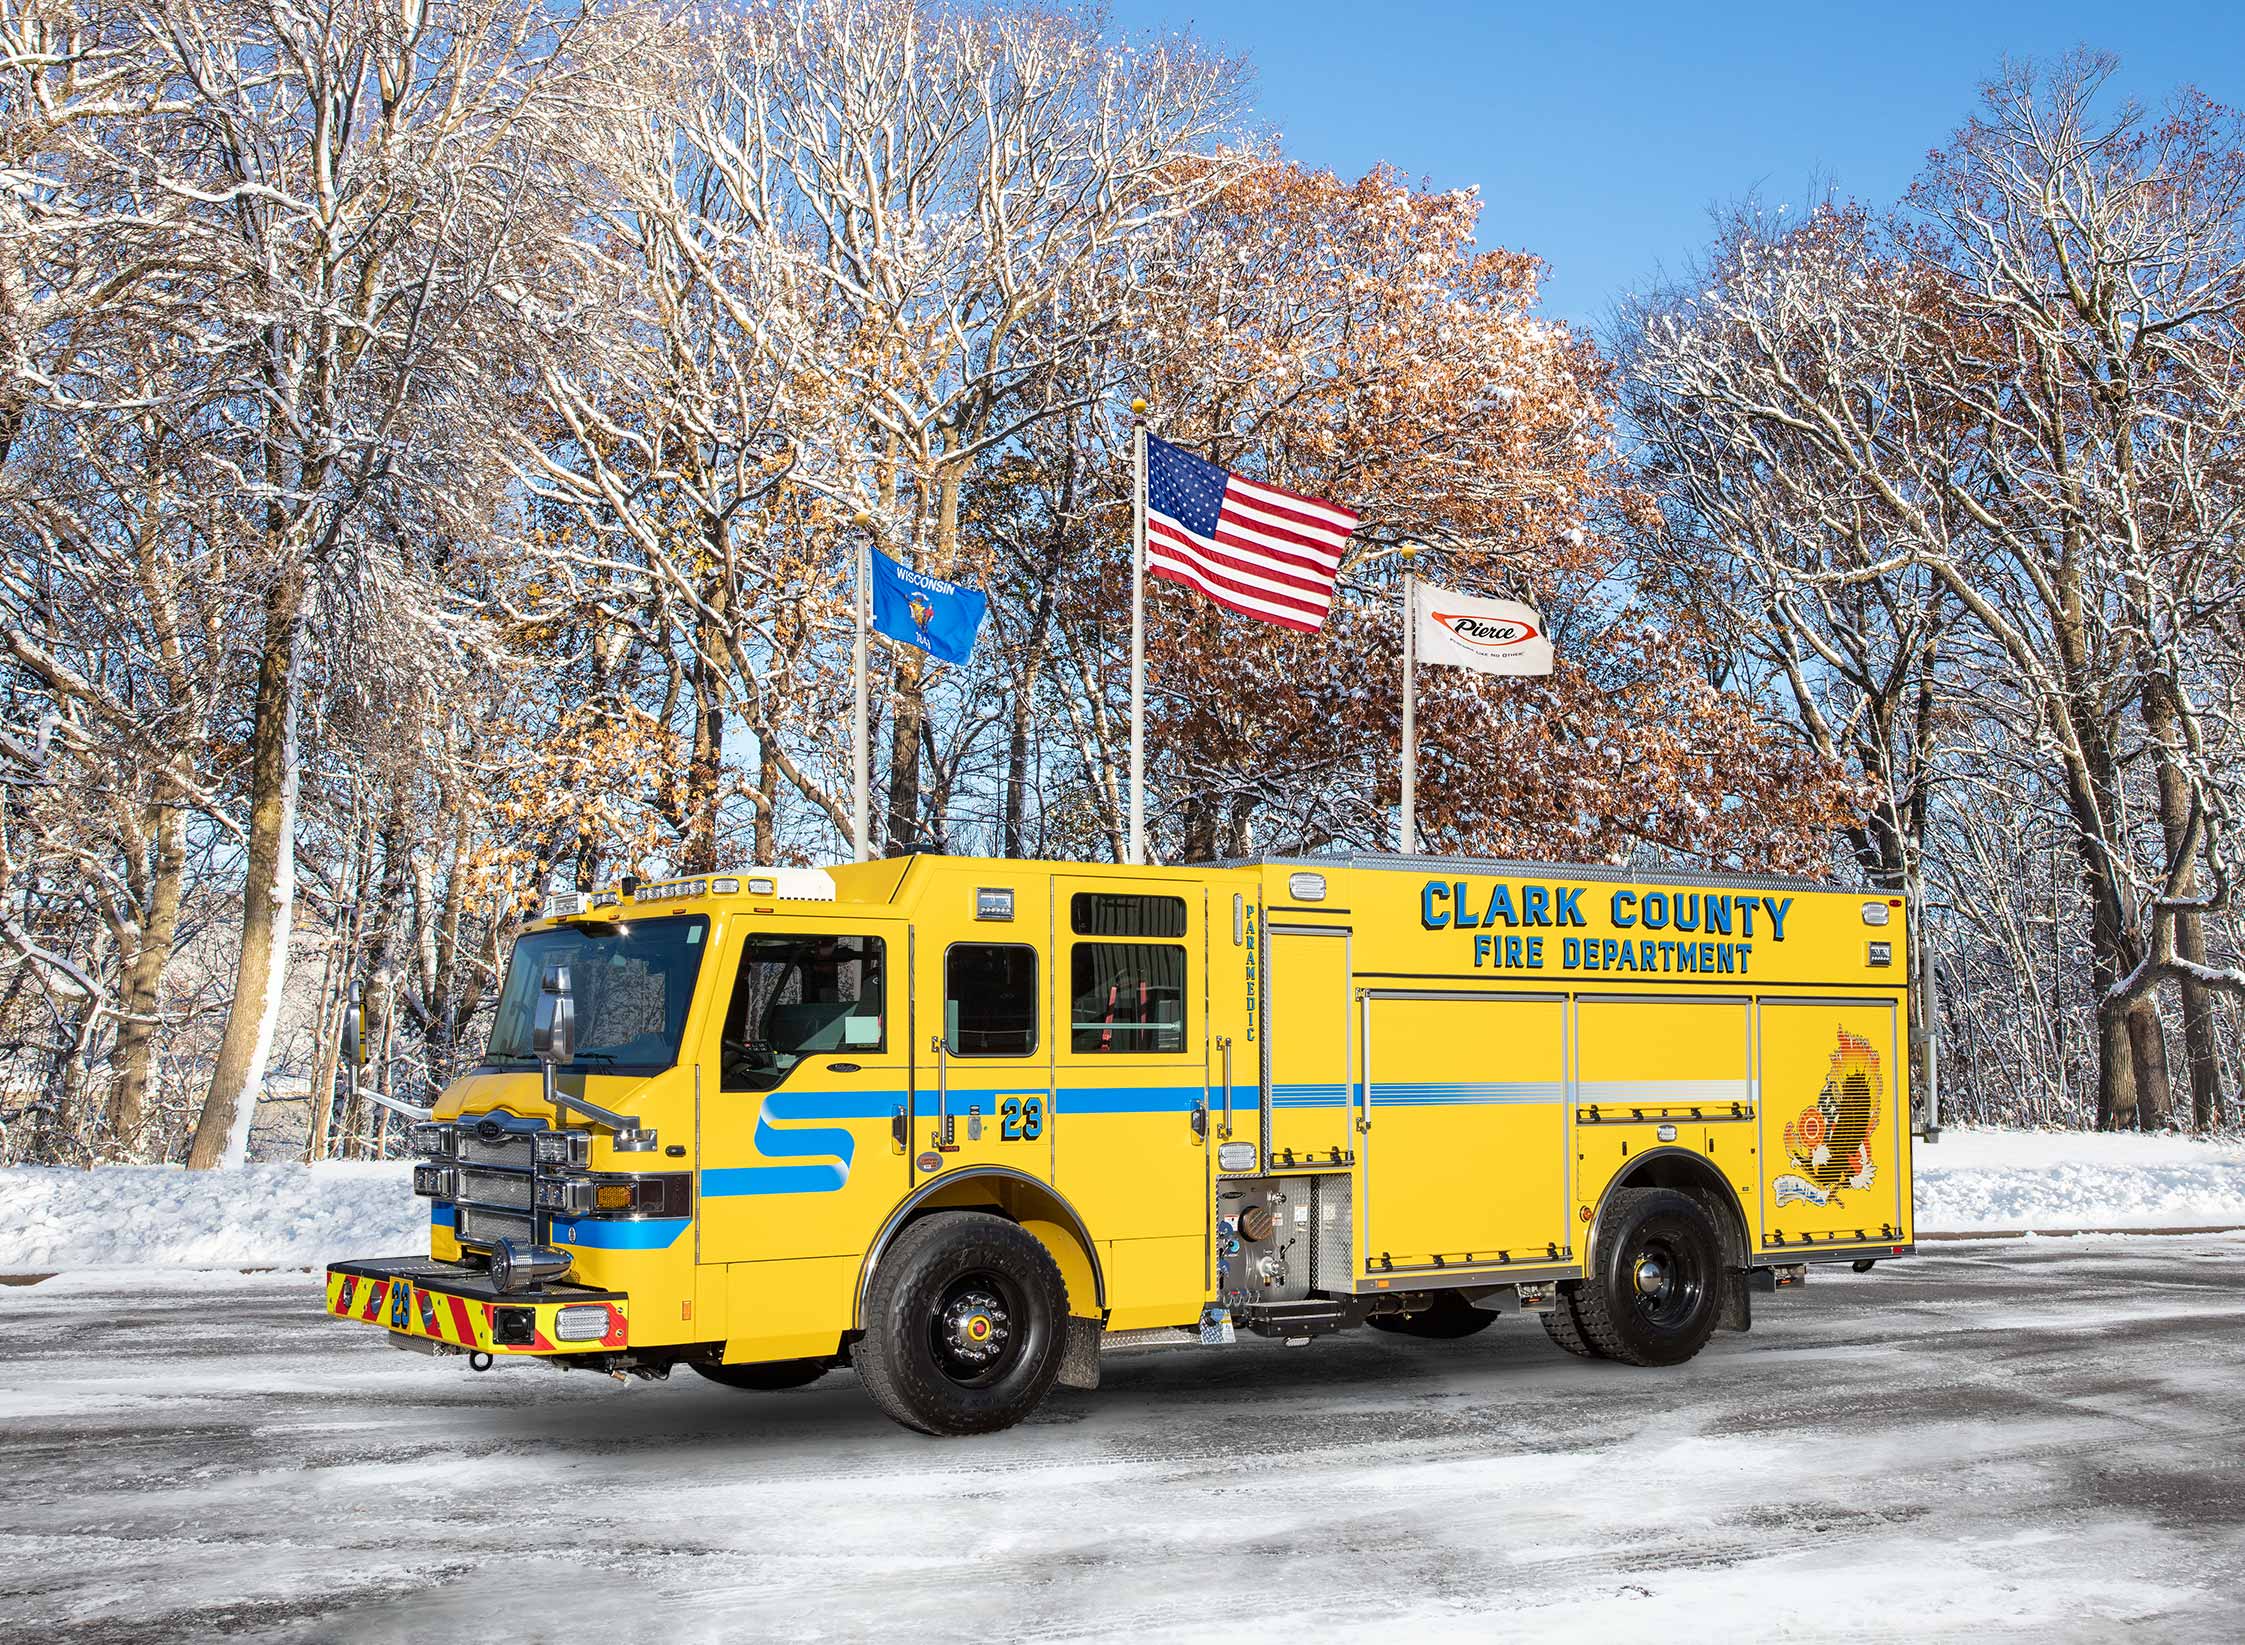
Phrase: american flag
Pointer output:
(1251, 548)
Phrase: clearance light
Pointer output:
(581, 1322)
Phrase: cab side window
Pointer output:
(798, 996)
(1126, 997)
(990, 999)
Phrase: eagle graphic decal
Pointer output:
(1828, 1143)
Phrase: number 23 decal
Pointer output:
(1023, 1119)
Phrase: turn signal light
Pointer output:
(612, 1196)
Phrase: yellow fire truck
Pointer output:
(964, 1124)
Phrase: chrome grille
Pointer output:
(511, 1150)
(496, 1187)
(480, 1227)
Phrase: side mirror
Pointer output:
(354, 1030)
(553, 1031)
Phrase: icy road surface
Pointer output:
(2005, 1441)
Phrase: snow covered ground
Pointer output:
(261, 1216)
(274, 1216)
(2028, 1441)
(2009, 1180)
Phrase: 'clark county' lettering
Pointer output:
(1720, 927)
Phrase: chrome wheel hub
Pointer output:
(1652, 1276)
(975, 1327)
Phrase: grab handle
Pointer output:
(943, 1141)
(1224, 1044)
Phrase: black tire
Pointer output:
(1448, 1317)
(963, 1325)
(769, 1377)
(1656, 1290)
(1563, 1324)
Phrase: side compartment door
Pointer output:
(1833, 1122)
(1309, 1093)
(1663, 1071)
(802, 1089)
(1466, 1150)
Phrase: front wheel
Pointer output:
(1657, 1287)
(963, 1324)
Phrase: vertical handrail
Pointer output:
(942, 1091)
(1224, 1044)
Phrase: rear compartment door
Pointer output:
(1834, 1114)
(1466, 1147)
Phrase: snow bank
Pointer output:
(258, 1216)
(1975, 1180)
(289, 1216)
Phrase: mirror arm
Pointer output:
(395, 1106)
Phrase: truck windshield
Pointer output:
(632, 981)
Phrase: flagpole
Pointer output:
(1138, 632)
(861, 798)
(1410, 839)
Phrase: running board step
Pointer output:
(1161, 1336)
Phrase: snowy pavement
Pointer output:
(2003, 1441)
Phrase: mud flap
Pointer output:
(1738, 1303)
(1079, 1354)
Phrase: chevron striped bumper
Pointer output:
(459, 1310)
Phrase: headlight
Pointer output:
(436, 1181)
(581, 1322)
(562, 1148)
(433, 1141)
(565, 1196)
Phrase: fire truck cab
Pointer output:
(964, 1125)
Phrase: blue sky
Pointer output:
(1599, 136)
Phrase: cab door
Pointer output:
(802, 1088)
(1309, 1104)
(982, 1052)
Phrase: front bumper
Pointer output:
(459, 1309)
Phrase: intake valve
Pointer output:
(1256, 1223)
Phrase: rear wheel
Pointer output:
(963, 1325)
(1448, 1316)
(768, 1377)
(1564, 1325)
(1656, 1292)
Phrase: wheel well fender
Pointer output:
(1021, 1198)
(1687, 1173)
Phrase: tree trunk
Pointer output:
(135, 1054)
(2201, 1035)
(2147, 1046)
(705, 769)
(2200, 1043)
(2116, 1080)
(268, 888)
(902, 826)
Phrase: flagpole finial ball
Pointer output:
(1410, 552)
(1138, 408)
